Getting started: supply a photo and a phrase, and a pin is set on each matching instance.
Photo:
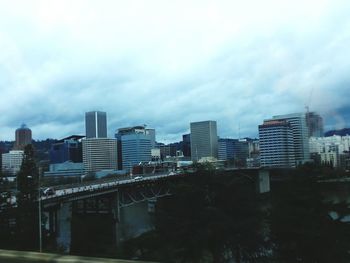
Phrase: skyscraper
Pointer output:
(204, 140)
(96, 124)
(276, 144)
(300, 133)
(23, 137)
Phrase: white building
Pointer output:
(276, 144)
(99, 154)
(12, 161)
(300, 134)
(330, 149)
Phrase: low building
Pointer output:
(11, 162)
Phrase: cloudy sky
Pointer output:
(167, 63)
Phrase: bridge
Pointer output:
(125, 203)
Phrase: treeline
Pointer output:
(217, 217)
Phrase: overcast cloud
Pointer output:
(167, 63)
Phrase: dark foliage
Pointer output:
(27, 211)
(303, 228)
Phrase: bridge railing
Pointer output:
(11, 256)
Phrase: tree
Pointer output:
(27, 211)
(303, 228)
(210, 218)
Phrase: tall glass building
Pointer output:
(135, 144)
(96, 124)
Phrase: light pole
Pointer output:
(39, 200)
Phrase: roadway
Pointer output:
(103, 184)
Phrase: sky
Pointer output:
(168, 63)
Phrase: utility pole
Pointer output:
(39, 200)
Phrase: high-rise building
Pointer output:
(226, 149)
(12, 161)
(23, 137)
(276, 144)
(315, 124)
(152, 134)
(300, 133)
(204, 140)
(99, 154)
(67, 149)
(186, 145)
(135, 144)
(96, 124)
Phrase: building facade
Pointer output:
(226, 149)
(135, 145)
(67, 149)
(300, 134)
(99, 154)
(204, 140)
(333, 151)
(11, 162)
(23, 137)
(276, 144)
(315, 124)
(96, 124)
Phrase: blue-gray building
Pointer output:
(226, 149)
(67, 149)
(135, 144)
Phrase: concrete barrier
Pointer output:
(11, 256)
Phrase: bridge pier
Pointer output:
(64, 217)
(263, 182)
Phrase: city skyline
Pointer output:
(167, 65)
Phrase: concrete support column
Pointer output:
(116, 216)
(64, 218)
(263, 182)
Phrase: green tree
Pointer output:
(27, 210)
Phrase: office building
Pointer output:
(11, 162)
(315, 124)
(23, 137)
(276, 144)
(96, 124)
(226, 149)
(300, 133)
(99, 154)
(204, 140)
(135, 146)
(152, 134)
(186, 145)
(67, 149)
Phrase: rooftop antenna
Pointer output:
(309, 101)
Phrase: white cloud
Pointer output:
(166, 64)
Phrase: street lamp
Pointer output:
(39, 200)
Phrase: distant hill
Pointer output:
(342, 132)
